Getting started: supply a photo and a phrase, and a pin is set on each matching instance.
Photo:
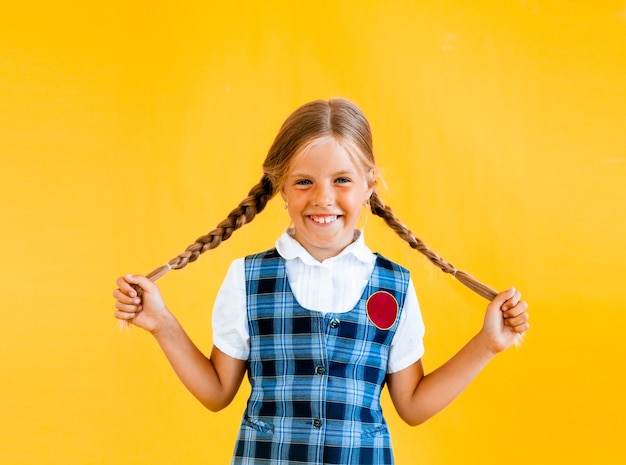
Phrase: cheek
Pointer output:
(296, 200)
(353, 202)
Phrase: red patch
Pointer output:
(382, 309)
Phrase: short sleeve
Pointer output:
(230, 321)
(407, 346)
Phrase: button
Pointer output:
(334, 323)
(317, 423)
(320, 370)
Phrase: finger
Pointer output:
(124, 315)
(512, 301)
(521, 328)
(125, 286)
(139, 282)
(518, 309)
(517, 321)
(133, 306)
(125, 298)
(499, 300)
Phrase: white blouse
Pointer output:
(336, 284)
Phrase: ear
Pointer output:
(370, 179)
(282, 194)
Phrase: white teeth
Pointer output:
(324, 219)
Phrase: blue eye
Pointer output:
(303, 182)
(343, 180)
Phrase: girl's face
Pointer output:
(324, 191)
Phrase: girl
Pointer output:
(319, 323)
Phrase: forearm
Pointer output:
(196, 371)
(438, 389)
(417, 397)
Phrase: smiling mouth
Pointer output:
(324, 219)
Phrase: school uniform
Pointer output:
(316, 376)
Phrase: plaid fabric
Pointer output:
(316, 379)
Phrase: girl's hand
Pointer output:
(506, 320)
(147, 311)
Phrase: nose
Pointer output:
(323, 195)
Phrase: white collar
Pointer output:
(290, 249)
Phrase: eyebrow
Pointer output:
(298, 174)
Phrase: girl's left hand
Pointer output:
(506, 320)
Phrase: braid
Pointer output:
(378, 208)
(244, 213)
(337, 118)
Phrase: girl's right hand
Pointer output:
(147, 311)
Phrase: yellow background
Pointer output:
(128, 129)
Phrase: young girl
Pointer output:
(319, 323)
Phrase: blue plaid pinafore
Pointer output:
(316, 378)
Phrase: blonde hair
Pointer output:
(337, 118)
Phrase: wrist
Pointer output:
(485, 344)
(165, 325)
